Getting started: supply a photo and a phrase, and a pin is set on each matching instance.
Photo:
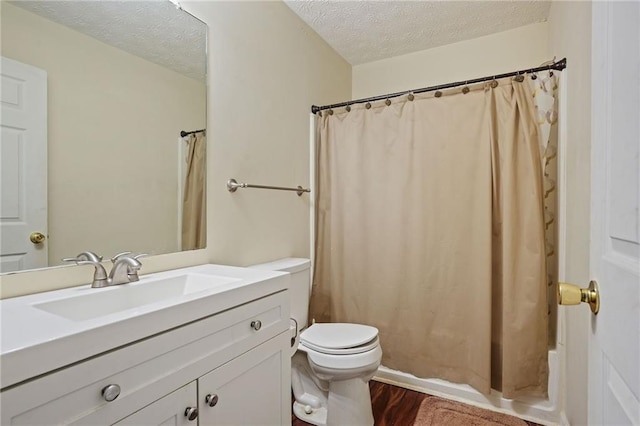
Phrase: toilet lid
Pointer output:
(339, 337)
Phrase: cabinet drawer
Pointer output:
(144, 371)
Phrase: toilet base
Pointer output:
(332, 396)
(317, 416)
(350, 403)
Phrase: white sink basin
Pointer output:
(76, 323)
(132, 296)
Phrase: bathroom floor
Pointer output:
(395, 406)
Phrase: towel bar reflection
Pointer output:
(233, 185)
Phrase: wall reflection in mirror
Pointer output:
(95, 95)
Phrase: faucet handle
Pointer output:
(84, 256)
(119, 255)
(127, 253)
(125, 270)
(100, 278)
(132, 271)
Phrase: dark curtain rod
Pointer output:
(183, 133)
(558, 66)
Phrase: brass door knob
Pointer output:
(571, 294)
(37, 237)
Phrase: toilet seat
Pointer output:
(340, 338)
(356, 361)
(347, 351)
(341, 346)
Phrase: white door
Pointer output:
(614, 344)
(23, 165)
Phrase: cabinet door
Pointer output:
(168, 410)
(252, 389)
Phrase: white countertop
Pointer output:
(34, 341)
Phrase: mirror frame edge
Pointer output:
(56, 278)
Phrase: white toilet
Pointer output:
(331, 364)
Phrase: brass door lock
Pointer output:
(571, 294)
(37, 237)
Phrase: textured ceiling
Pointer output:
(365, 31)
(153, 29)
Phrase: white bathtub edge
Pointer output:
(541, 411)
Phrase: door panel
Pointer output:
(614, 345)
(23, 162)
(253, 389)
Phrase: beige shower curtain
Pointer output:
(430, 227)
(194, 206)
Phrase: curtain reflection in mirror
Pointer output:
(194, 227)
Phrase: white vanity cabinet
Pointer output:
(240, 355)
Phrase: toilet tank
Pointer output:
(300, 270)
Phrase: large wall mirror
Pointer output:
(95, 95)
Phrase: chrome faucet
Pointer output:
(125, 269)
(100, 278)
(132, 263)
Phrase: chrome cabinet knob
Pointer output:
(211, 400)
(256, 325)
(110, 392)
(191, 413)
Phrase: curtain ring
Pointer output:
(465, 89)
(330, 112)
(438, 94)
(519, 78)
(387, 102)
(494, 83)
(348, 108)
(367, 105)
(410, 97)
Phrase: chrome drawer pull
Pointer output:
(191, 413)
(212, 400)
(256, 325)
(110, 392)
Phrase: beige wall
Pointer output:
(520, 48)
(266, 68)
(113, 127)
(570, 36)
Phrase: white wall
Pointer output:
(520, 48)
(113, 126)
(570, 36)
(266, 69)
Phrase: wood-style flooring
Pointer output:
(392, 405)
